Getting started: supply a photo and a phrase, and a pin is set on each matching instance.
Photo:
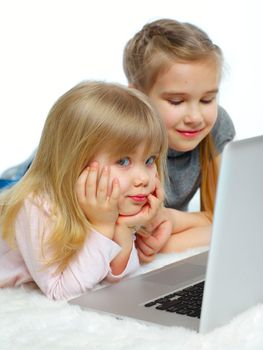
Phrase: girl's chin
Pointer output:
(130, 213)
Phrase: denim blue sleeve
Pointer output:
(16, 172)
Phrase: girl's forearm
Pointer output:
(182, 221)
(119, 263)
(190, 238)
(123, 237)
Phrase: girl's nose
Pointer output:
(193, 116)
(141, 177)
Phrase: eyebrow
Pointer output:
(174, 93)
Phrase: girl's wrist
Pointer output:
(106, 230)
(123, 236)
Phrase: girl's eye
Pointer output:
(208, 100)
(175, 102)
(123, 162)
(150, 161)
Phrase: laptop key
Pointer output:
(187, 301)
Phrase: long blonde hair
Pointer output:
(153, 50)
(91, 117)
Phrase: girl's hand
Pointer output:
(98, 198)
(149, 246)
(147, 213)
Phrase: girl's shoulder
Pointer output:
(40, 202)
(223, 130)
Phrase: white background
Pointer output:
(47, 46)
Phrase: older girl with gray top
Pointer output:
(179, 67)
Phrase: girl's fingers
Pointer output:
(156, 199)
(144, 231)
(81, 185)
(144, 258)
(144, 247)
(91, 181)
(103, 185)
(154, 206)
(131, 221)
(116, 191)
(159, 190)
(144, 217)
(153, 201)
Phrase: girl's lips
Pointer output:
(189, 133)
(138, 198)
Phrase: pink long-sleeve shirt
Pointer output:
(25, 262)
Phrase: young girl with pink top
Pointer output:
(101, 157)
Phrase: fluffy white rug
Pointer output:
(28, 320)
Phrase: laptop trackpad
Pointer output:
(177, 274)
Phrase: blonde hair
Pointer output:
(91, 117)
(153, 50)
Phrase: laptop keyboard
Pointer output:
(186, 301)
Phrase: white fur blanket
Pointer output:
(28, 320)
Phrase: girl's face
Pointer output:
(137, 176)
(186, 98)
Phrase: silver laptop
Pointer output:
(232, 273)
